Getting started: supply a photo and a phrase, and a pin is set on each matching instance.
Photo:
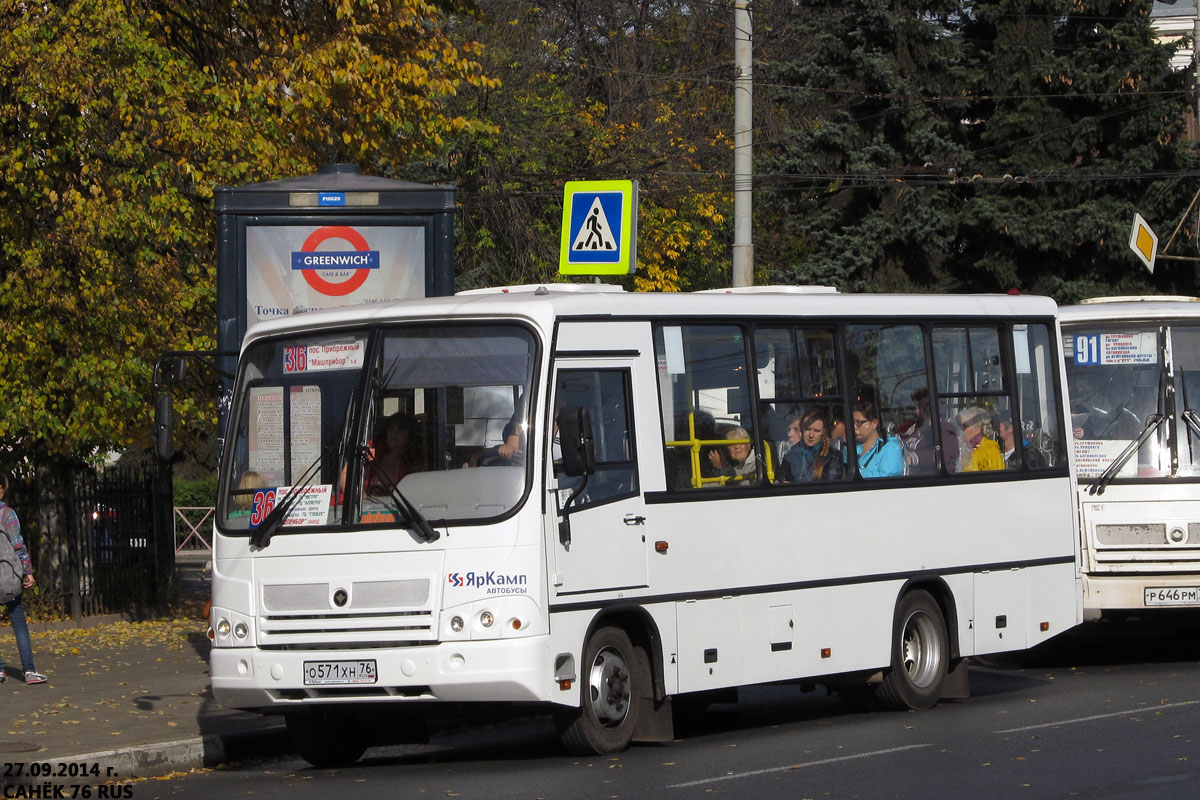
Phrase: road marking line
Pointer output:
(1141, 710)
(822, 762)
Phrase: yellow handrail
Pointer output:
(694, 445)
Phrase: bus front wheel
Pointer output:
(326, 737)
(611, 682)
(920, 653)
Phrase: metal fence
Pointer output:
(101, 543)
(193, 529)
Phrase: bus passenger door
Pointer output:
(603, 544)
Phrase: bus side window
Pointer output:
(973, 397)
(1038, 394)
(704, 389)
(888, 371)
(606, 393)
(799, 388)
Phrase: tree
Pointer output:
(118, 119)
(865, 123)
(595, 91)
(983, 147)
(1077, 122)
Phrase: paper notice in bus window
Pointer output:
(1021, 349)
(305, 432)
(311, 509)
(1092, 457)
(266, 433)
(673, 345)
(1129, 348)
(324, 357)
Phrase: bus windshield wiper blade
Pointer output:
(1192, 420)
(1152, 424)
(425, 531)
(266, 529)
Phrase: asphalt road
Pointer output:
(1108, 711)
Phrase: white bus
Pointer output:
(575, 497)
(1133, 378)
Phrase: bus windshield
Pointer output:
(380, 428)
(1114, 379)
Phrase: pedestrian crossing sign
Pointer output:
(599, 228)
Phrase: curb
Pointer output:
(162, 758)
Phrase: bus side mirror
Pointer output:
(164, 427)
(575, 439)
(172, 371)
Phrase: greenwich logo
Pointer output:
(494, 582)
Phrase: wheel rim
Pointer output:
(610, 686)
(920, 650)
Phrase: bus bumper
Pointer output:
(508, 670)
(1106, 593)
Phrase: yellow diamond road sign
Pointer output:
(1143, 242)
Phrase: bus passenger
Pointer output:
(878, 456)
(243, 496)
(794, 435)
(1002, 422)
(814, 458)
(737, 461)
(984, 452)
(391, 460)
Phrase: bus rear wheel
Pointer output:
(920, 654)
(611, 682)
(326, 737)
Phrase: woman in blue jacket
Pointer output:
(813, 458)
(878, 456)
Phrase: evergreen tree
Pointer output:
(869, 124)
(1076, 122)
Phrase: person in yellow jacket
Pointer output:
(985, 452)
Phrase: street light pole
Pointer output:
(743, 97)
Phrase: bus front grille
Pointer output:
(333, 613)
(334, 629)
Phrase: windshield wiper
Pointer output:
(266, 529)
(1192, 420)
(425, 531)
(1152, 424)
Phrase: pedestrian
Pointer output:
(11, 526)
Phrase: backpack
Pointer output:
(12, 571)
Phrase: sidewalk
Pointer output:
(132, 698)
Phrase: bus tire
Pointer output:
(326, 737)
(610, 683)
(920, 654)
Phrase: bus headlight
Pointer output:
(231, 629)
(486, 619)
(456, 624)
